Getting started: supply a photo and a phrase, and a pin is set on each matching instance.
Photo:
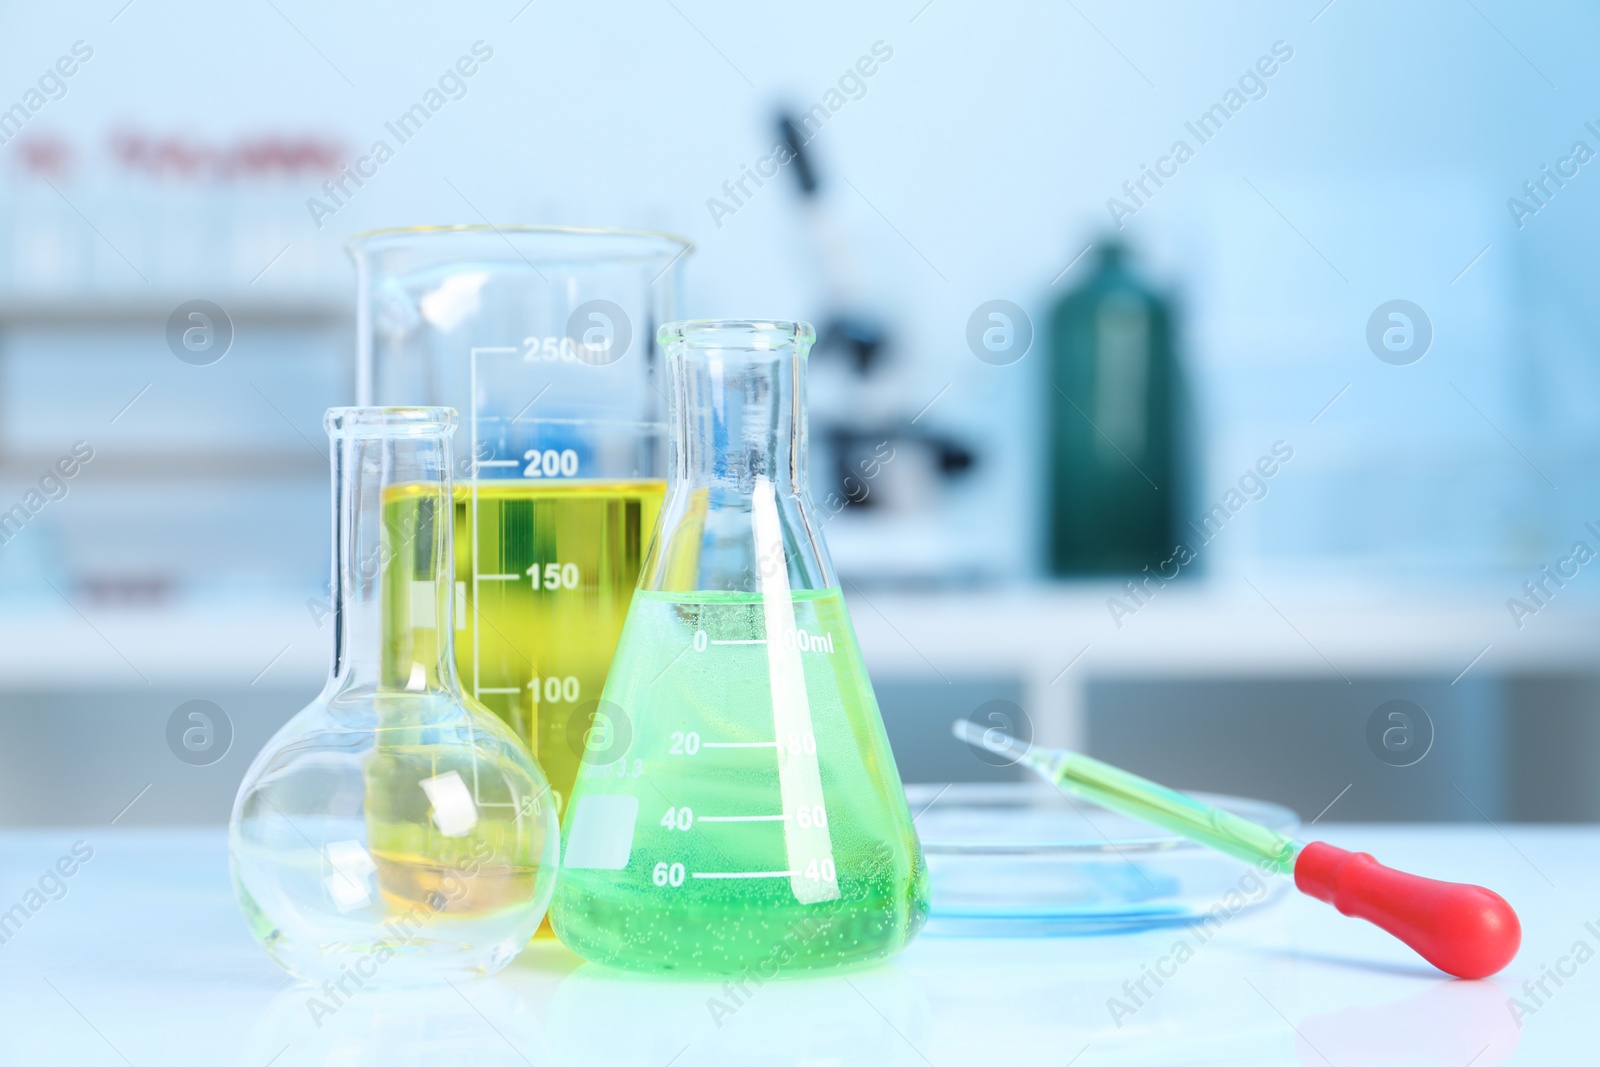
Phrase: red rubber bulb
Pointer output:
(1464, 930)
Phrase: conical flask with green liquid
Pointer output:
(737, 808)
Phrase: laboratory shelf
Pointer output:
(121, 311)
(1057, 638)
(1052, 636)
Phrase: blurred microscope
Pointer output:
(881, 476)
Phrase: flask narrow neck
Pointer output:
(737, 517)
(739, 415)
(393, 570)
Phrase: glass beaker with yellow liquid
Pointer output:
(543, 338)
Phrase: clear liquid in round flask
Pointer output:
(394, 831)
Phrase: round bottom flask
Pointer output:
(394, 831)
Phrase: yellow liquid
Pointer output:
(582, 542)
(492, 867)
(546, 571)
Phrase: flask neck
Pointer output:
(738, 416)
(393, 569)
(737, 517)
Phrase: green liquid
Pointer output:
(753, 845)
(1120, 790)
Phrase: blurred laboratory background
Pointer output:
(1282, 313)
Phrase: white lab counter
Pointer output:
(145, 961)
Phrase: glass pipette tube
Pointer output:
(1122, 791)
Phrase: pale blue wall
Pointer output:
(990, 142)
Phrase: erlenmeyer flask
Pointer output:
(738, 807)
(393, 831)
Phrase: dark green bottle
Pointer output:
(1113, 424)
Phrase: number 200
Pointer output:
(550, 463)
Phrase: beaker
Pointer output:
(544, 339)
(738, 808)
(394, 831)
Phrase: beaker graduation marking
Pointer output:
(531, 736)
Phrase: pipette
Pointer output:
(1464, 930)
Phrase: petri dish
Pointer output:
(1020, 859)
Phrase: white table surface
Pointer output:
(146, 962)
